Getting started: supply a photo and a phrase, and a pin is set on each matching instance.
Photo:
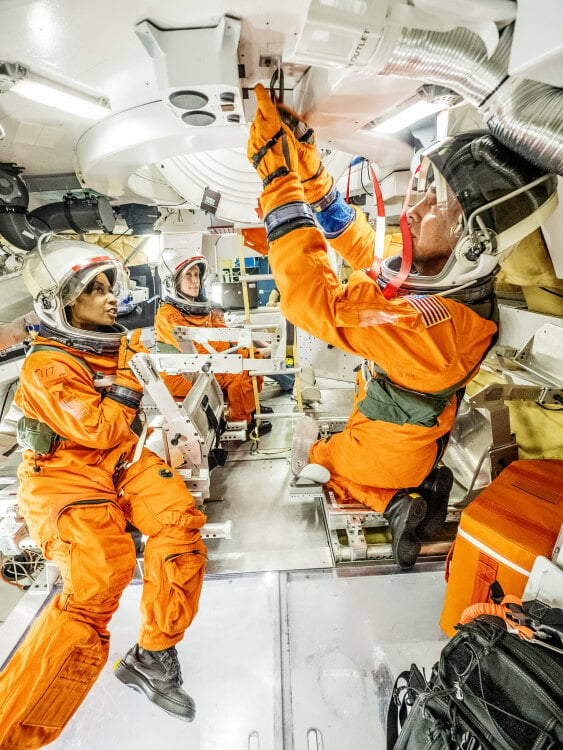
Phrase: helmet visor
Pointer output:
(82, 278)
(474, 200)
(190, 280)
(483, 174)
(184, 279)
(436, 216)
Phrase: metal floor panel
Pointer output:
(230, 664)
(275, 661)
(269, 530)
(349, 638)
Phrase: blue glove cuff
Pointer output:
(336, 218)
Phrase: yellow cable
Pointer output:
(247, 319)
(297, 374)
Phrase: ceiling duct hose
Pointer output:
(456, 59)
(22, 228)
(530, 114)
(79, 214)
(526, 116)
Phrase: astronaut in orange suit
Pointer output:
(422, 331)
(185, 303)
(84, 475)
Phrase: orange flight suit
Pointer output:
(236, 386)
(427, 352)
(76, 502)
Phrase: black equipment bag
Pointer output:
(490, 690)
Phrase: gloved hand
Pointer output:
(271, 145)
(126, 389)
(272, 150)
(317, 182)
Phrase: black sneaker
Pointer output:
(263, 429)
(403, 514)
(157, 674)
(435, 490)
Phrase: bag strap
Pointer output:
(396, 711)
(399, 704)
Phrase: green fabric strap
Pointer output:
(388, 402)
(164, 348)
(385, 403)
(49, 348)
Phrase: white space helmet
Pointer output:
(173, 264)
(502, 196)
(56, 274)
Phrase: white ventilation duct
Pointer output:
(445, 44)
(526, 116)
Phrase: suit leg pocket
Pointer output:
(101, 554)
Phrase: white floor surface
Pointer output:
(275, 661)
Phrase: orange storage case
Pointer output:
(501, 532)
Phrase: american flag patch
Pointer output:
(432, 309)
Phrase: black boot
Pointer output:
(403, 514)
(264, 427)
(157, 675)
(435, 490)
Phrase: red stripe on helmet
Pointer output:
(91, 261)
(193, 259)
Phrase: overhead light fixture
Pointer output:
(404, 118)
(430, 100)
(15, 77)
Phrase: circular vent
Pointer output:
(188, 99)
(198, 118)
(6, 186)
